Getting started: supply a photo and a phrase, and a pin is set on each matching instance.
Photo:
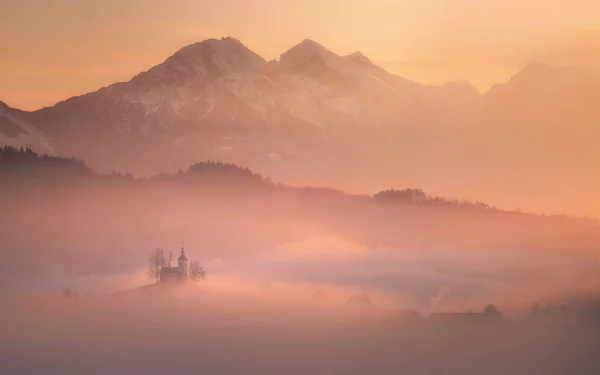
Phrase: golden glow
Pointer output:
(53, 50)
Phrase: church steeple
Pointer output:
(182, 263)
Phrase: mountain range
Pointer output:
(324, 118)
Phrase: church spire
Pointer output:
(182, 264)
(182, 254)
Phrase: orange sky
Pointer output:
(55, 49)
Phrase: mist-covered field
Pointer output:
(299, 281)
(212, 329)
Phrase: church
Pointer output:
(176, 274)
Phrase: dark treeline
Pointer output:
(25, 163)
(418, 196)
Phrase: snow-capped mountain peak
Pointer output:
(216, 87)
(229, 54)
(203, 61)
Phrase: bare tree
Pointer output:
(197, 271)
(157, 262)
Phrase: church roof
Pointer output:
(169, 270)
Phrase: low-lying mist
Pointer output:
(217, 328)
(298, 281)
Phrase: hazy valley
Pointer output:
(337, 218)
(270, 250)
(89, 225)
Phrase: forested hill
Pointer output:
(25, 165)
(23, 168)
(16, 164)
(24, 162)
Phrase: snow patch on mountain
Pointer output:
(211, 107)
(23, 133)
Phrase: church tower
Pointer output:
(182, 264)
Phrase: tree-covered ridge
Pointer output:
(218, 169)
(26, 162)
(418, 196)
(206, 167)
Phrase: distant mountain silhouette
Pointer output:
(213, 98)
(543, 97)
(316, 117)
